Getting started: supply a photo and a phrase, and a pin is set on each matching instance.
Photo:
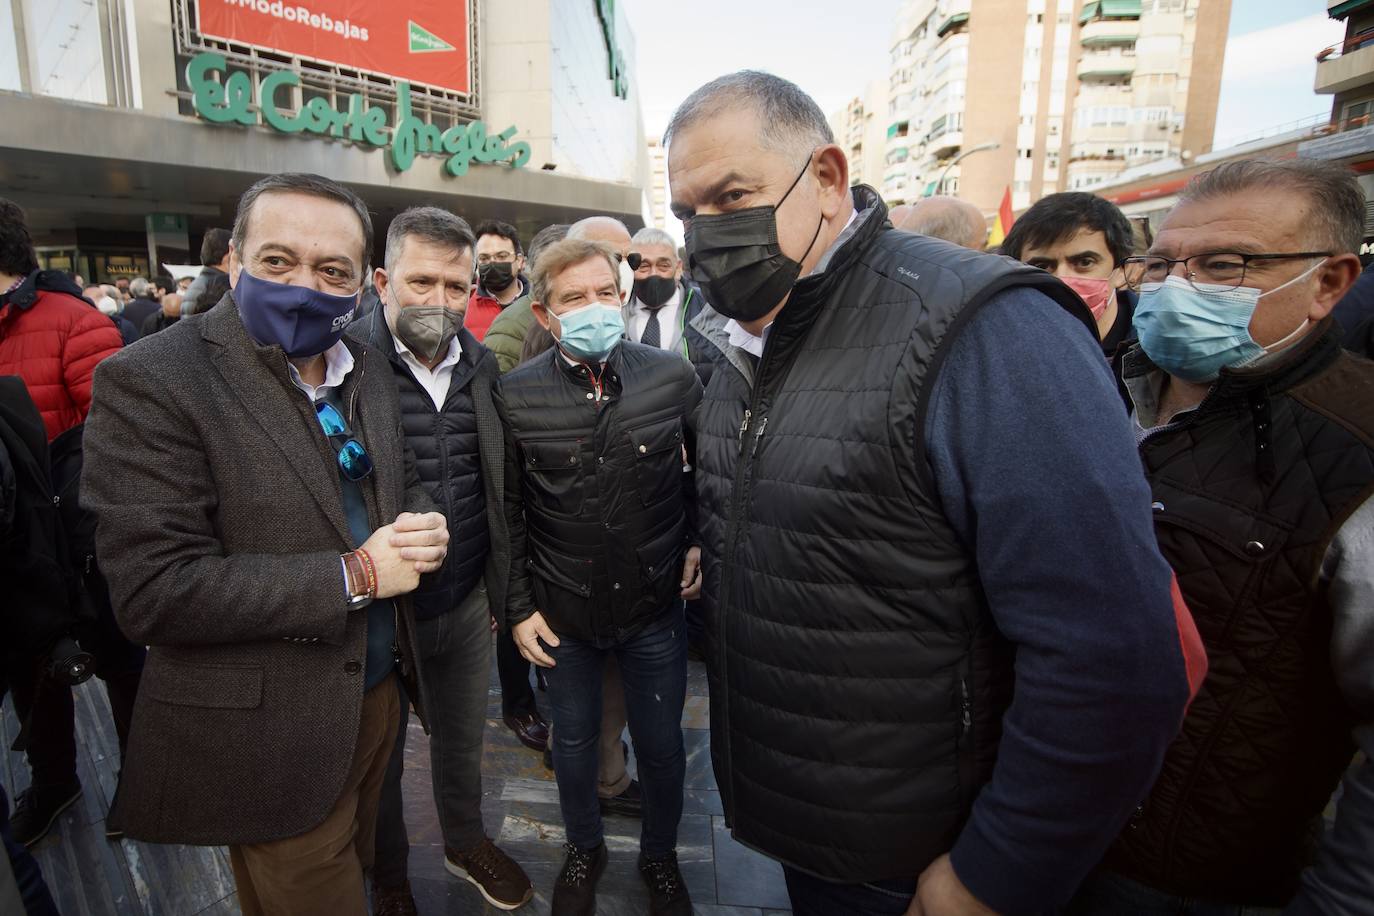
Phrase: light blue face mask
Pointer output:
(1193, 331)
(590, 332)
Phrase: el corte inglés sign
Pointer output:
(226, 98)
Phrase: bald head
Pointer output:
(606, 229)
(947, 218)
(898, 214)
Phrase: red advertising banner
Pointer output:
(424, 41)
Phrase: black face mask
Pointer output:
(497, 276)
(654, 291)
(736, 258)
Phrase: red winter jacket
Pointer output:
(53, 339)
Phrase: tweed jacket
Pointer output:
(219, 523)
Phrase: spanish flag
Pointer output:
(1002, 225)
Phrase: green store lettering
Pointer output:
(229, 101)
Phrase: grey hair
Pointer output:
(1335, 202)
(947, 218)
(790, 121)
(429, 224)
(651, 235)
(559, 256)
(546, 237)
(579, 229)
(302, 183)
(139, 287)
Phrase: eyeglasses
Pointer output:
(353, 458)
(1218, 268)
(634, 259)
(500, 257)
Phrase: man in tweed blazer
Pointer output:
(256, 506)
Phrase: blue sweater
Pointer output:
(1037, 470)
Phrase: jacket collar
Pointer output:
(259, 377)
(810, 293)
(26, 293)
(1283, 371)
(374, 331)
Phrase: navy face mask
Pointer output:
(302, 321)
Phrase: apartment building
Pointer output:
(1046, 95)
(860, 129)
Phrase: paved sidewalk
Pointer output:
(94, 877)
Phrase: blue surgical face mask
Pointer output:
(590, 332)
(302, 321)
(1193, 331)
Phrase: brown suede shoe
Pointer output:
(395, 901)
(502, 882)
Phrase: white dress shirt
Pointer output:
(667, 320)
(435, 381)
(338, 362)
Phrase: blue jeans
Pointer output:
(653, 670)
(1109, 894)
(812, 896)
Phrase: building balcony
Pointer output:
(1109, 9)
(1108, 65)
(1105, 33)
(943, 145)
(1345, 66)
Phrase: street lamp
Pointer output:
(940, 185)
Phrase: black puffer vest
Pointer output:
(1249, 491)
(449, 463)
(599, 513)
(857, 678)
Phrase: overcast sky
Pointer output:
(832, 49)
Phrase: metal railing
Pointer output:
(1332, 52)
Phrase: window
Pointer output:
(1357, 113)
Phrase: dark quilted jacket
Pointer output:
(53, 339)
(1249, 491)
(458, 455)
(857, 678)
(596, 497)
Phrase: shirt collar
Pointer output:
(455, 353)
(744, 340)
(338, 362)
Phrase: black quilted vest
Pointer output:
(448, 462)
(857, 678)
(1249, 491)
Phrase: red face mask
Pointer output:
(1095, 293)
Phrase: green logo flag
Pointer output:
(423, 40)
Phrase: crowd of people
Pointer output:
(1038, 580)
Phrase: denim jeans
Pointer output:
(1108, 894)
(455, 655)
(653, 672)
(812, 896)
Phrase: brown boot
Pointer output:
(394, 901)
(502, 882)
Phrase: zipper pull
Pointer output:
(967, 704)
(744, 426)
(758, 437)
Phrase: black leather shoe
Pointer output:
(574, 894)
(667, 893)
(629, 803)
(530, 728)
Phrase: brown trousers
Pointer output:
(321, 871)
